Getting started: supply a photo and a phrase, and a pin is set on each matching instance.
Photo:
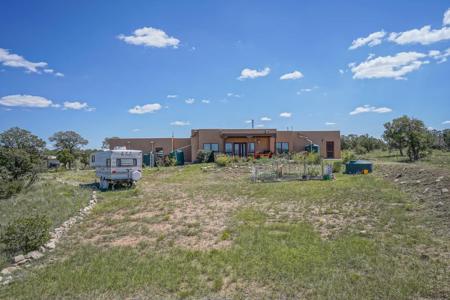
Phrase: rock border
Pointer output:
(23, 261)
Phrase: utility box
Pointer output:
(179, 157)
(312, 148)
(358, 167)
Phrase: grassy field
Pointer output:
(202, 231)
(48, 197)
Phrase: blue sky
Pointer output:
(106, 68)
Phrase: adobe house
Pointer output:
(239, 142)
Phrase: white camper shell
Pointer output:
(117, 166)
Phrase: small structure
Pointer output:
(53, 162)
(117, 166)
(358, 167)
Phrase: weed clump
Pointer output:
(26, 234)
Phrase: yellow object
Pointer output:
(365, 171)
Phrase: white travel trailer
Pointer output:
(117, 166)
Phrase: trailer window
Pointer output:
(108, 162)
(126, 162)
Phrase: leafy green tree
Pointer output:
(395, 133)
(446, 138)
(66, 158)
(71, 142)
(419, 139)
(21, 155)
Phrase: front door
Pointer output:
(330, 149)
(240, 149)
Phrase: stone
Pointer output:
(9, 270)
(19, 258)
(1, 278)
(439, 178)
(22, 262)
(50, 245)
(399, 175)
(34, 255)
(426, 190)
(444, 190)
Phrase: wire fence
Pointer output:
(285, 170)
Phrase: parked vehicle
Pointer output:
(117, 167)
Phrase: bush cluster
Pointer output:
(205, 156)
(223, 160)
(26, 234)
(347, 156)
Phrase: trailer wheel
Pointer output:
(104, 184)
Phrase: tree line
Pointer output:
(23, 154)
(409, 136)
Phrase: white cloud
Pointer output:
(172, 96)
(371, 40)
(446, 20)
(259, 125)
(16, 61)
(389, 66)
(150, 37)
(76, 105)
(136, 130)
(144, 109)
(190, 101)
(233, 95)
(330, 123)
(26, 101)
(206, 101)
(424, 36)
(439, 56)
(248, 121)
(249, 73)
(307, 90)
(367, 108)
(293, 75)
(265, 119)
(59, 74)
(286, 115)
(446, 122)
(180, 123)
(341, 71)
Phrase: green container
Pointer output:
(358, 167)
(179, 157)
(146, 159)
(312, 148)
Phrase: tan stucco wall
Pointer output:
(297, 140)
(145, 145)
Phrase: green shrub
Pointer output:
(347, 156)
(222, 160)
(337, 166)
(26, 234)
(204, 156)
(313, 158)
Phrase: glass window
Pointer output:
(93, 158)
(251, 148)
(211, 147)
(108, 162)
(282, 147)
(229, 148)
(126, 162)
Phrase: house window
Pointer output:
(126, 162)
(251, 148)
(93, 158)
(229, 148)
(282, 147)
(108, 162)
(211, 147)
